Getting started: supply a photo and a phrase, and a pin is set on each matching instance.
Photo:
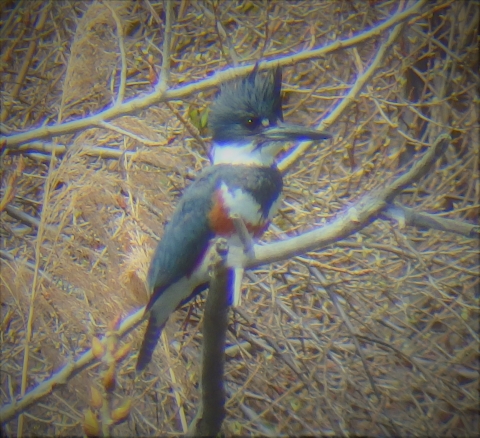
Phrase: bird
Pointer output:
(248, 132)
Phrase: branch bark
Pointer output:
(211, 412)
(408, 216)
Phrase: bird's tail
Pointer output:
(162, 304)
(150, 340)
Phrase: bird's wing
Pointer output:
(184, 242)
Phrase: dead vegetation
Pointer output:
(81, 212)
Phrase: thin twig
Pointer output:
(155, 16)
(167, 41)
(123, 56)
(333, 297)
(403, 253)
(190, 128)
(59, 149)
(7, 256)
(145, 141)
(178, 399)
(35, 285)
(27, 219)
(408, 216)
(264, 428)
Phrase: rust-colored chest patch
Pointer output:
(222, 224)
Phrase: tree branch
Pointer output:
(70, 370)
(354, 219)
(59, 149)
(159, 95)
(355, 90)
(123, 56)
(408, 216)
(211, 412)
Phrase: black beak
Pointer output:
(288, 132)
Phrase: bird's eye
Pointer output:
(252, 122)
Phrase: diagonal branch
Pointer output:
(355, 90)
(62, 376)
(160, 94)
(408, 216)
(354, 220)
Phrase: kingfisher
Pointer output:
(248, 132)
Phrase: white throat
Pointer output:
(246, 153)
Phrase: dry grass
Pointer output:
(410, 294)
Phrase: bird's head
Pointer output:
(246, 121)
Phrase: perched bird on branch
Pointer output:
(248, 132)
